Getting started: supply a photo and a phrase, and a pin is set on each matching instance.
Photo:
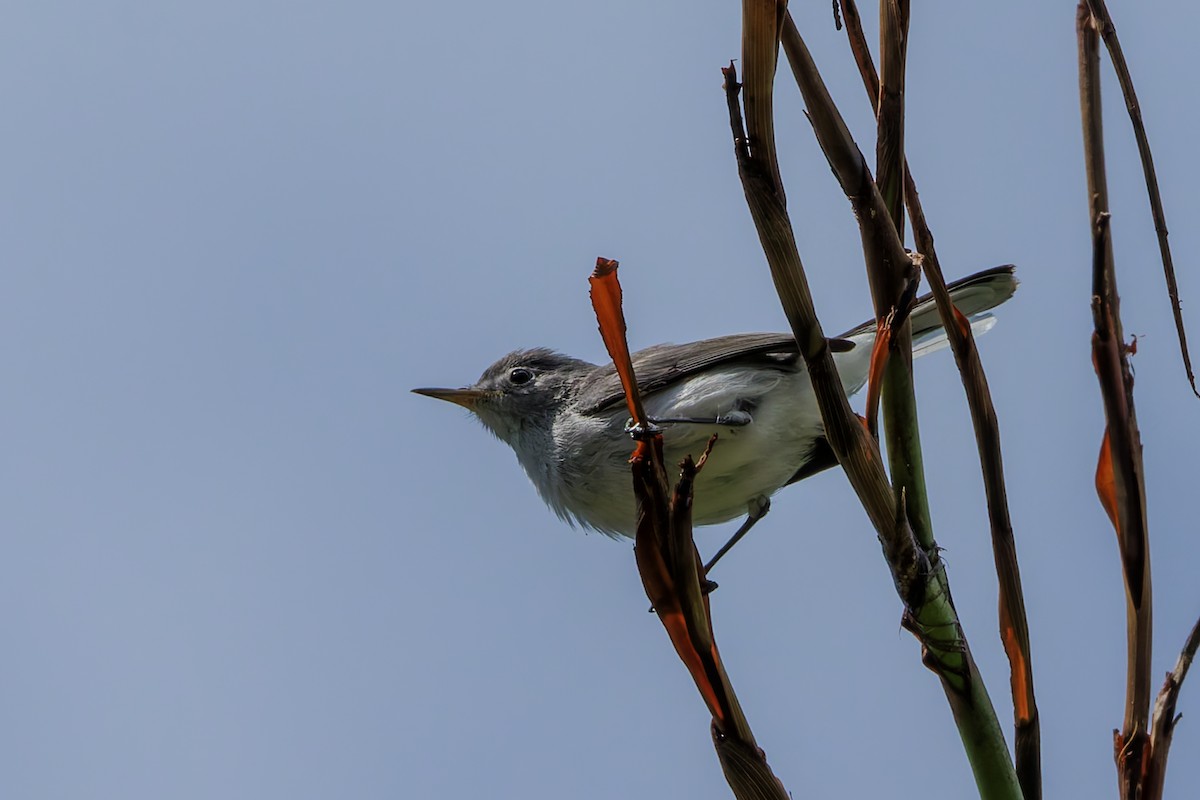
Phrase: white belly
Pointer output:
(592, 484)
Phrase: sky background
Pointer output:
(241, 560)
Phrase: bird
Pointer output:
(566, 420)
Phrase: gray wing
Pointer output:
(663, 365)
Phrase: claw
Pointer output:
(639, 432)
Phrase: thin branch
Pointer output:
(901, 425)
(860, 50)
(670, 565)
(1014, 627)
(889, 108)
(920, 582)
(1109, 33)
(854, 447)
(1162, 728)
(1119, 475)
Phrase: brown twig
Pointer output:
(849, 439)
(1119, 474)
(1014, 627)
(920, 582)
(670, 565)
(860, 50)
(889, 108)
(1108, 31)
(906, 459)
(1162, 726)
(1014, 624)
(889, 268)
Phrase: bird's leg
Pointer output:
(756, 509)
(733, 419)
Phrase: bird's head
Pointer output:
(523, 390)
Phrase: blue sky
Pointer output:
(242, 561)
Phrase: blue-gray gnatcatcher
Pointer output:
(566, 418)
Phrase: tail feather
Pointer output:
(933, 339)
(972, 295)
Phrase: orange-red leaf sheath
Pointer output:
(879, 357)
(606, 300)
(648, 551)
(664, 596)
(964, 324)
(676, 627)
(1106, 483)
(1017, 658)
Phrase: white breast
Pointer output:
(588, 480)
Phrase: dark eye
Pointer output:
(520, 375)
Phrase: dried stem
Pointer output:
(670, 565)
(1162, 728)
(921, 585)
(1105, 25)
(1120, 475)
(1014, 627)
